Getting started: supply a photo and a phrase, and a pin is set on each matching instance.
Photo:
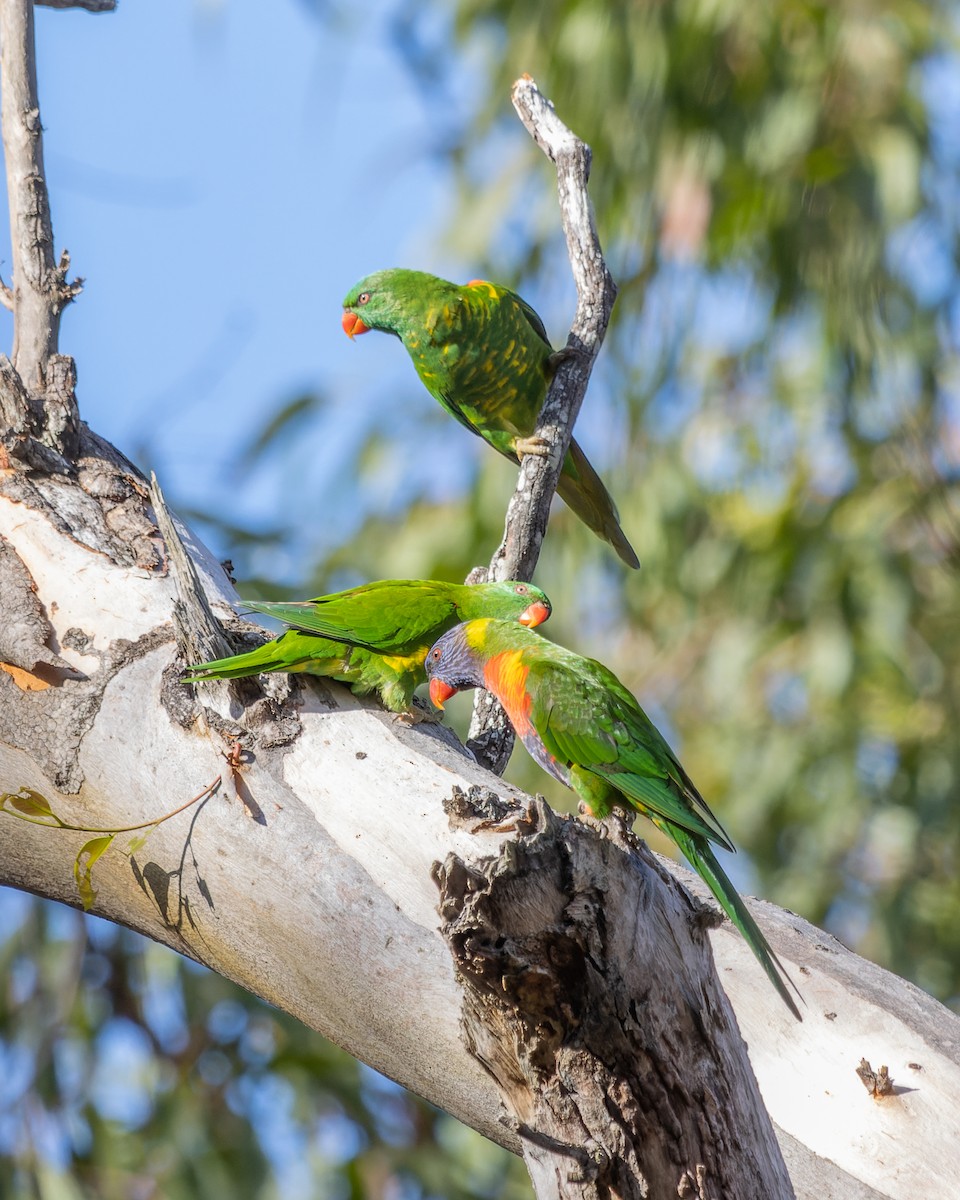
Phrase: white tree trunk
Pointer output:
(314, 886)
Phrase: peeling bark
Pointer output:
(614, 1050)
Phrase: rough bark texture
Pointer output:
(40, 288)
(616, 1052)
(307, 873)
(491, 737)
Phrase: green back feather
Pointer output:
(396, 616)
(374, 637)
(483, 353)
(582, 716)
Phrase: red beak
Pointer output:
(352, 325)
(440, 692)
(534, 614)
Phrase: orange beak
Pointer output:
(440, 692)
(534, 614)
(352, 325)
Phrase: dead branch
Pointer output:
(40, 287)
(94, 6)
(491, 738)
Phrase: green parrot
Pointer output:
(586, 729)
(375, 637)
(483, 353)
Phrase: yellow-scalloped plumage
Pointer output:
(483, 353)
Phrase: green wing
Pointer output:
(390, 615)
(587, 718)
(292, 651)
(533, 317)
(394, 678)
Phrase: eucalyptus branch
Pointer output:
(40, 288)
(491, 738)
(29, 805)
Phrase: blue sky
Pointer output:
(222, 171)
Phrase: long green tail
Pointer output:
(292, 651)
(701, 857)
(582, 490)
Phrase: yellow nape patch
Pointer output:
(506, 676)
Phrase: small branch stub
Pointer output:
(93, 6)
(199, 634)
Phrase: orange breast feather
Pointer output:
(506, 676)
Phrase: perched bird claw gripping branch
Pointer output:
(483, 353)
(580, 724)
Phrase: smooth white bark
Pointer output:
(314, 888)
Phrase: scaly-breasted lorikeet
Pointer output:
(586, 729)
(375, 637)
(483, 353)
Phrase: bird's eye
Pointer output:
(363, 297)
(521, 589)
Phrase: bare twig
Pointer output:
(94, 6)
(40, 288)
(491, 738)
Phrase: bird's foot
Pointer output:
(537, 446)
(564, 354)
(417, 714)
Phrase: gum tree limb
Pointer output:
(490, 737)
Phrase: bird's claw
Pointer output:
(537, 446)
(418, 715)
(564, 354)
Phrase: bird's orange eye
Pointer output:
(363, 297)
(521, 589)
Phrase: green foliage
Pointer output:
(28, 805)
(87, 858)
(781, 369)
(130, 1072)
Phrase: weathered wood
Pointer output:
(590, 1000)
(312, 879)
(491, 737)
(94, 6)
(307, 875)
(40, 288)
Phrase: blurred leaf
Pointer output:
(289, 421)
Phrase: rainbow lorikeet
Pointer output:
(375, 637)
(586, 729)
(483, 353)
